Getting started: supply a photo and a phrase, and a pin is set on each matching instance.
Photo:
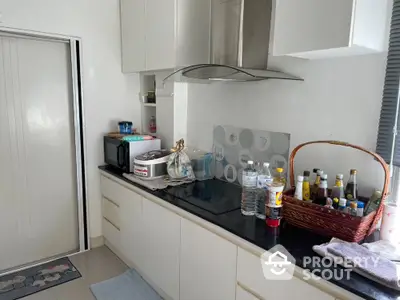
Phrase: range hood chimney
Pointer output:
(239, 44)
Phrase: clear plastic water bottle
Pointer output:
(249, 189)
(264, 180)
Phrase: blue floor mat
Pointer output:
(128, 286)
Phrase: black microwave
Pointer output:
(121, 154)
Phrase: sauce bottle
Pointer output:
(360, 209)
(322, 190)
(338, 189)
(298, 194)
(342, 205)
(335, 203)
(373, 202)
(353, 208)
(306, 186)
(315, 187)
(280, 177)
(351, 187)
(329, 203)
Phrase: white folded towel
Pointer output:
(338, 249)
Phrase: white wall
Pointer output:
(340, 99)
(109, 95)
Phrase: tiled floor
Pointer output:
(96, 265)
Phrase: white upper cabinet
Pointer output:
(164, 34)
(133, 35)
(319, 29)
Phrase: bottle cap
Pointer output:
(279, 170)
(320, 172)
(353, 171)
(266, 164)
(342, 202)
(360, 204)
(353, 204)
(306, 173)
(300, 178)
(324, 176)
(250, 162)
(336, 200)
(339, 176)
(315, 170)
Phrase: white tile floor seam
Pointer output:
(95, 266)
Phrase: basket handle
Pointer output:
(344, 144)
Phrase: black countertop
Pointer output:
(297, 241)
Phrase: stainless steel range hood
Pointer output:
(239, 39)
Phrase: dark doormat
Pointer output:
(30, 281)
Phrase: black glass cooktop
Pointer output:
(215, 196)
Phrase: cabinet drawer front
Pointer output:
(242, 294)
(250, 275)
(111, 212)
(116, 192)
(112, 234)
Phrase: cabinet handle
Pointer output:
(248, 290)
(111, 223)
(111, 201)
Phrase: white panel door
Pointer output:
(207, 266)
(38, 193)
(161, 242)
(133, 35)
(160, 34)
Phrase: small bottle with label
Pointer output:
(351, 190)
(322, 191)
(329, 203)
(335, 203)
(315, 187)
(342, 204)
(338, 189)
(299, 188)
(360, 209)
(353, 208)
(306, 186)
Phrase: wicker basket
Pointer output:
(330, 222)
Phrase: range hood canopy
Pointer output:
(239, 44)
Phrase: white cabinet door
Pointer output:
(161, 242)
(132, 234)
(242, 294)
(250, 275)
(133, 35)
(208, 265)
(319, 29)
(309, 25)
(160, 34)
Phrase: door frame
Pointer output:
(75, 47)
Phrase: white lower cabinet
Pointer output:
(250, 275)
(242, 294)
(207, 265)
(161, 242)
(183, 260)
(132, 234)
